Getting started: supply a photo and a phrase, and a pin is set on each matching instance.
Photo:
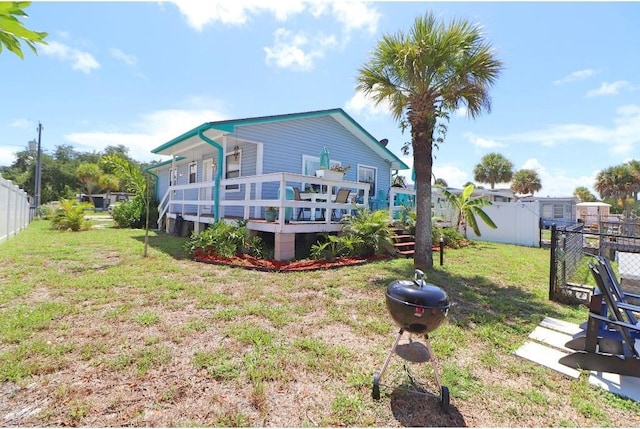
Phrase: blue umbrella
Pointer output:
(324, 158)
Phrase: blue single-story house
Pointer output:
(235, 169)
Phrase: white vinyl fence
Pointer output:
(14, 209)
(517, 222)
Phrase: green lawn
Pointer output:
(94, 334)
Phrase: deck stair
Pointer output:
(403, 242)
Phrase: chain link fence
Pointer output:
(15, 212)
(572, 249)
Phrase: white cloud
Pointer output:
(80, 60)
(22, 123)
(356, 15)
(363, 105)
(482, 142)
(128, 59)
(620, 138)
(351, 14)
(558, 183)
(609, 88)
(575, 76)
(150, 131)
(296, 51)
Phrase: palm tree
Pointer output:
(89, 174)
(467, 209)
(526, 182)
(616, 183)
(441, 182)
(423, 76)
(493, 168)
(583, 194)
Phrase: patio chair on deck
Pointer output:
(341, 197)
(301, 210)
(612, 346)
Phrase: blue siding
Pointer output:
(284, 144)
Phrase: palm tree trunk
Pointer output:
(422, 139)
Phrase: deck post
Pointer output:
(285, 246)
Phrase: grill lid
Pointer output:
(418, 293)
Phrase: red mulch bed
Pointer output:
(244, 260)
(253, 263)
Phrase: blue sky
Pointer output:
(139, 74)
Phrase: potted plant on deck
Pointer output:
(335, 172)
(270, 214)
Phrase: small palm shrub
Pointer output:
(335, 246)
(70, 216)
(226, 240)
(369, 232)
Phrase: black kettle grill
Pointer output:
(418, 308)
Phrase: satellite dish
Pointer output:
(384, 142)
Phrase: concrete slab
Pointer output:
(547, 348)
(552, 338)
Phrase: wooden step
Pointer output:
(405, 244)
(406, 253)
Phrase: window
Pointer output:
(232, 170)
(310, 164)
(367, 175)
(558, 211)
(193, 168)
(173, 176)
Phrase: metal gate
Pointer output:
(572, 248)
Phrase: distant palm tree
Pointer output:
(619, 183)
(89, 174)
(583, 194)
(441, 182)
(525, 182)
(425, 75)
(493, 168)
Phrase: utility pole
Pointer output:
(39, 169)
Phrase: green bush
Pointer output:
(335, 246)
(70, 216)
(132, 213)
(226, 240)
(452, 238)
(368, 232)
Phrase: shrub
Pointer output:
(368, 231)
(70, 216)
(132, 213)
(335, 246)
(226, 240)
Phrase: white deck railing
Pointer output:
(250, 200)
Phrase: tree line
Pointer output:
(67, 172)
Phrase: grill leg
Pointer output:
(388, 359)
(434, 362)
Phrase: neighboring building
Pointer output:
(103, 201)
(235, 169)
(558, 211)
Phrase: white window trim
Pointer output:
(375, 182)
(195, 179)
(233, 189)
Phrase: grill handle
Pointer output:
(418, 278)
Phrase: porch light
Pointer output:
(236, 152)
